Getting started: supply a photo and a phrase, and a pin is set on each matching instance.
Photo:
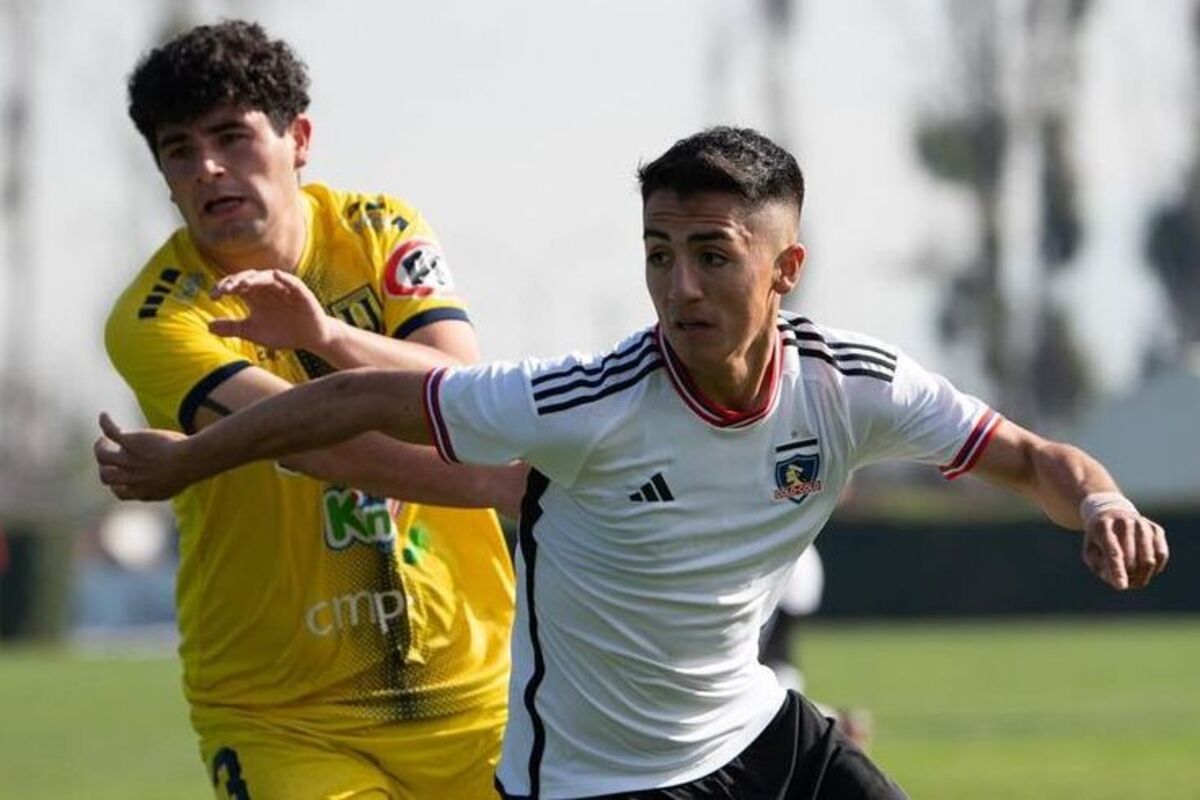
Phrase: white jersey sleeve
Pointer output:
(486, 414)
(919, 416)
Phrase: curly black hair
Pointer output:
(739, 161)
(230, 62)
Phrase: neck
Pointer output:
(741, 382)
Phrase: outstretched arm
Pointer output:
(153, 464)
(284, 314)
(1123, 548)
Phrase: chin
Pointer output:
(237, 236)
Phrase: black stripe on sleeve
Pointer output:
(882, 373)
(200, 392)
(596, 369)
(814, 336)
(592, 383)
(418, 321)
(600, 395)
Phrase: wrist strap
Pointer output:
(1097, 502)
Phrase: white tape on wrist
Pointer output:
(1097, 502)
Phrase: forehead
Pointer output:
(717, 208)
(708, 216)
(669, 214)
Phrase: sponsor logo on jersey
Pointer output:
(352, 516)
(360, 308)
(797, 471)
(348, 611)
(416, 269)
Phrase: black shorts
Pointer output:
(799, 756)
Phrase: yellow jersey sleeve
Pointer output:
(415, 282)
(158, 340)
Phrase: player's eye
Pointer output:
(177, 153)
(658, 258)
(713, 258)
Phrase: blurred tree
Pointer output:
(17, 415)
(1020, 341)
(1172, 245)
(967, 146)
(1056, 372)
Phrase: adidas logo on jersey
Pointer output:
(654, 490)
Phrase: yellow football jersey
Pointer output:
(296, 597)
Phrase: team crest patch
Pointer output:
(360, 308)
(416, 269)
(797, 474)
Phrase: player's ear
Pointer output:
(301, 132)
(789, 266)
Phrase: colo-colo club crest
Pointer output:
(797, 471)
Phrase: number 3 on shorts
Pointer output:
(226, 761)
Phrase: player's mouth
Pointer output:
(223, 205)
(691, 325)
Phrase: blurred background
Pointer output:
(1009, 190)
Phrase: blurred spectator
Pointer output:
(125, 571)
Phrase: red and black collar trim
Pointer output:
(713, 413)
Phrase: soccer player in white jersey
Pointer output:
(675, 480)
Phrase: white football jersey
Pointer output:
(657, 532)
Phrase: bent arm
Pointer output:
(1055, 476)
(285, 314)
(1122, 547)
(449, 342)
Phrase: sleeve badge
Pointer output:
(416, 268)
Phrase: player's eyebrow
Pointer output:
(711, 236)
(169, 139)
(706, 236)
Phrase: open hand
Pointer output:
(141, 465)
(1124, 549)
(284, 313)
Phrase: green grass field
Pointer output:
(1102, 709)
(1097, 710)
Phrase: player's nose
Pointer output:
(684, 282)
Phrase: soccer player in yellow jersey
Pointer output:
(335, 643)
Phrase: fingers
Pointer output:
(111, 429)
(1162, 551)
(1106, 559)
(1125, 550)
(113, 475)
(242, 282)
(109, 454)
(252, 281)
(227, 328)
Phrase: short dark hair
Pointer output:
(230, 62)
(739, 161)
